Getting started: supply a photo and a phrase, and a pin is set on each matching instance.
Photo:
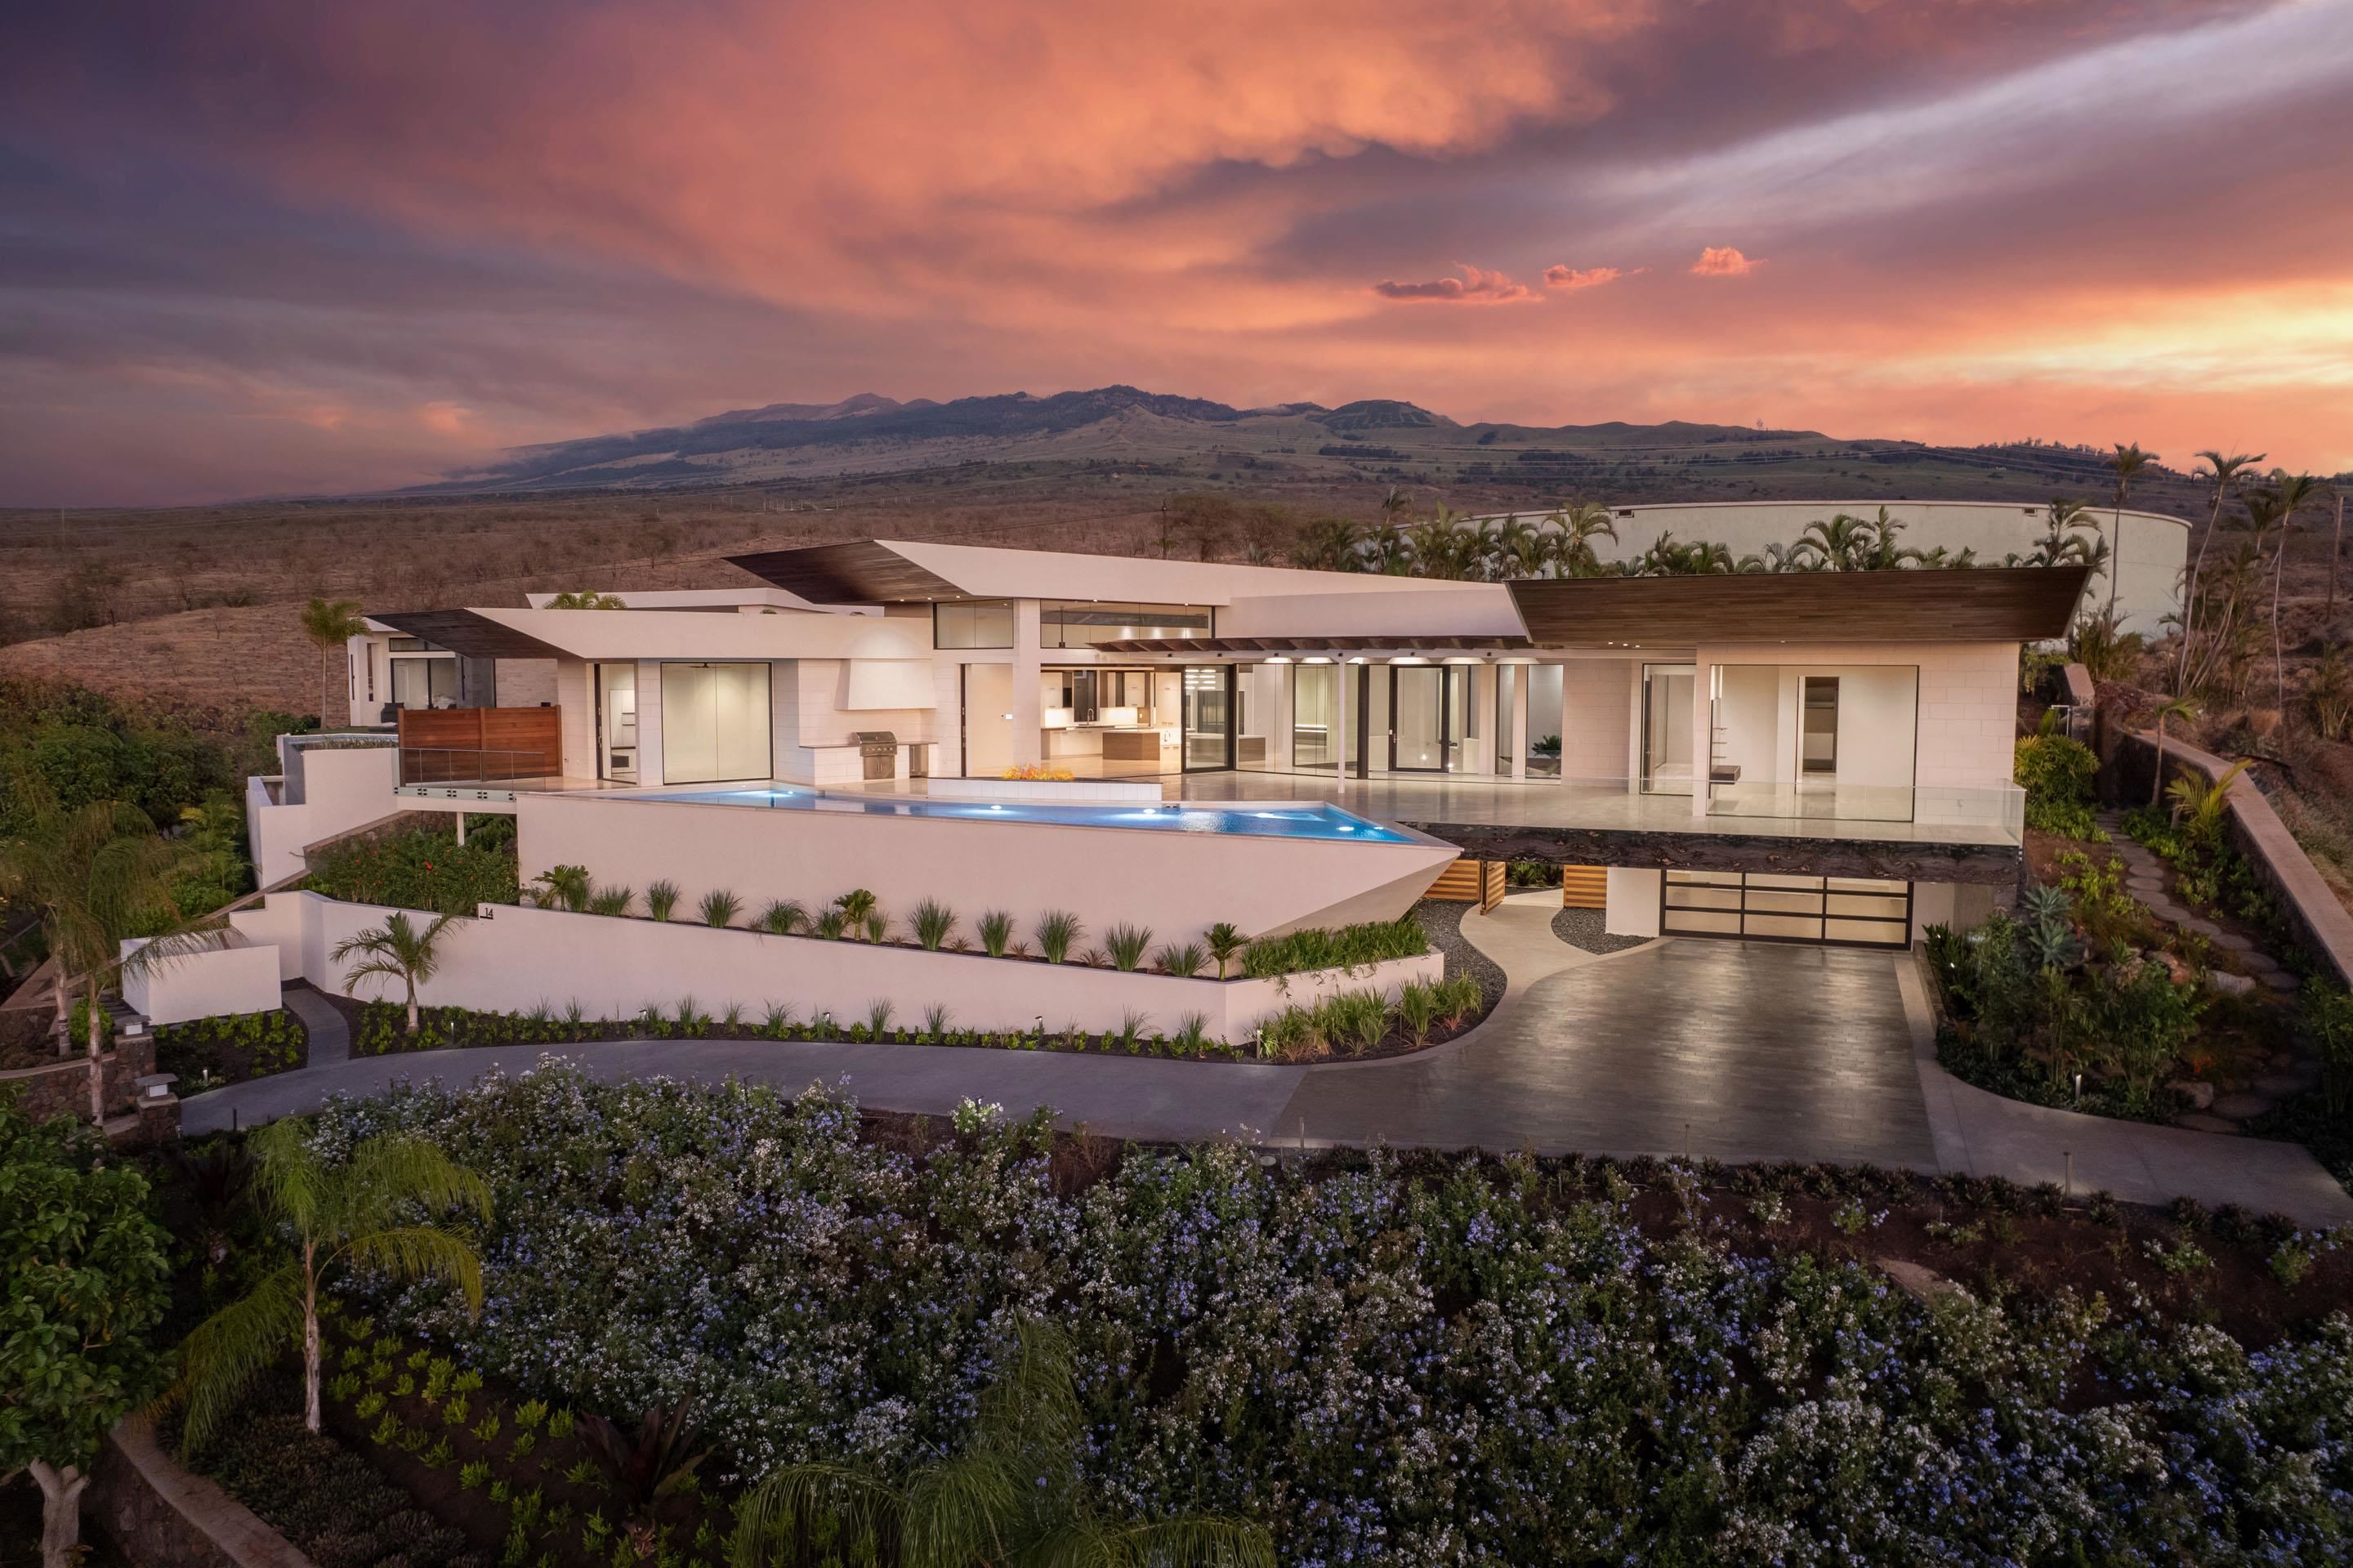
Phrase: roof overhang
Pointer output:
(866, 572)
(1977, 604)
(1403, 642)
(469, 634)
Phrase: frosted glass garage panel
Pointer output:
(715, 722)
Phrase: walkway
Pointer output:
(1766, 1051)
(330, 1036)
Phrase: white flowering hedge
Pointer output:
(1437, 1370)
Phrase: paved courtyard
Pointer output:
(1737, 1050)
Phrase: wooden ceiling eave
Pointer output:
(863, 571)
(469, 635)
(2005, 604)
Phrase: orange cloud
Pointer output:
(1724, 261)
(1575, 278)
(1474, 288)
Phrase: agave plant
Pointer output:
(1127, 944)
(1057, 929)
(996, 929)
(662, 898)
(935, 923)
(719, 908)
(781, 917)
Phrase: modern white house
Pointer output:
(1820, 756)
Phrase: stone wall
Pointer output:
(153, 1511)
(64, 1087)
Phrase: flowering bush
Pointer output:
(421, 868)
(1468, 1363)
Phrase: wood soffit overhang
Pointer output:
(469, 635)
(860, 572)
(1402, 642)
(1982, 604)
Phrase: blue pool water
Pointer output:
(1306, 819)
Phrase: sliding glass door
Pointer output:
(1209, 717)
(1418, 718)
(1315, 717)
(714, 723)
(1668, 691)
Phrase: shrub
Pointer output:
(1184, 962)
(421, 868)
(719, 908)
(662, 898)
(934, 924)
(229, 1048)
(1057, 929)
(878, 927)
(2327, 1021)
(1345, 947)
(2057, 774)
(1355, 1020)
(996, 929)
(830, 926)
(1126, 945)
(781, 918)
(611, 901)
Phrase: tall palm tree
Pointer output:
(395, 950)
(1577, 526)
(1394, 504)
(96, 875)
(331, 624)
(2181, 708)
(1012, 1493)
(1326, 545)
(2224, 472)
(2129, 460)
(2289, 494)
(356, 1215)
(1520, 550)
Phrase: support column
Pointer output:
(1028, 669)
(1479, 734)
(1702, 722)
(1277, 724)
(1523, 678)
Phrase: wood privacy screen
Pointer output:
(445, 745)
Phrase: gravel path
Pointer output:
(1443, 919)
(1582, 929)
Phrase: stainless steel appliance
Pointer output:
(878, 749)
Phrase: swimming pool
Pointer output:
(1305, 820)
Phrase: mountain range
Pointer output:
(1377, 441)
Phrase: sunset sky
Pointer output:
(268, 246)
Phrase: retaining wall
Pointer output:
(155, 1511)
(2127, 757)
(62, 1088)
(513, 958)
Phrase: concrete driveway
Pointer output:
(1737, 1050)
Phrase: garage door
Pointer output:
(1845, 911)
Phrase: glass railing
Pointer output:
(434, 765)
(1999, 808)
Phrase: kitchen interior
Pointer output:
(1110, 723)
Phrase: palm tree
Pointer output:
(2289, 492)
(96, 875)
(2129, 460)
(2224, 472)
(1388, 550)
(1520, 550)
(331, 624)
(395, 950)
(1394, 504)
(1579, 525)
(587, 598)
(1224, 941)
(356, 1215)
(1445, 546)
(1012, 1493)
(2183, 708)
(1326, 545)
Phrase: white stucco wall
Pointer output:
(516, 958)
(1597, 708)
(343, 787)
(1179, 884)
(228, 975)
(1630, 901)
(1967, 696)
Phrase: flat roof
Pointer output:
(1967, 604)
(892, 571)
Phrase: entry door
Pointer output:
(1418, 726)
(617, 722)
(1817, 735)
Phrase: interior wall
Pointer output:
(1754, 716)
(1595, 715)
(1878, 717)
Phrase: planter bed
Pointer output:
(1403, 1360)
(207, 1053)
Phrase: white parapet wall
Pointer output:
(513, 958)
(1178, 884)
(343, 787)
(228, 974)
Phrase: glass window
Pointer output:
(406, 644)
(1078, 623)
(714, 723)
(1209, 717)
(1668, 691)
(1315, 717)
(981, 623)
(425, 682)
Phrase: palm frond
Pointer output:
(958, 1512)
(1199, 1541)
(420, 1251)
(852, 1497)
(287, 1180)
(393, 1170)
(1031, 1406)
(222, 1355)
